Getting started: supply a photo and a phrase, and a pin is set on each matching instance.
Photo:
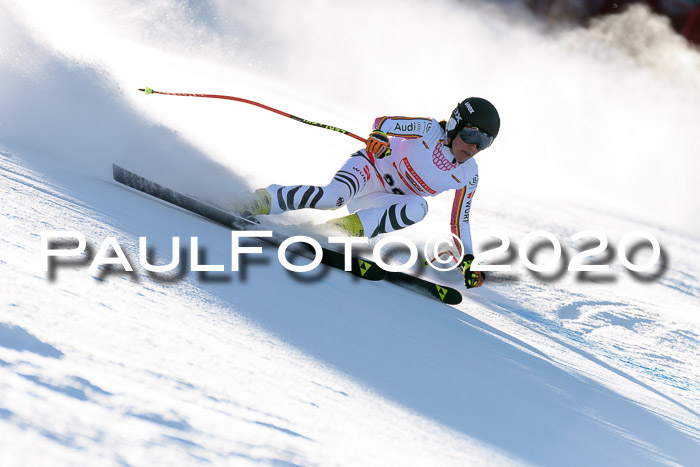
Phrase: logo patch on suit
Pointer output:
(405, 167)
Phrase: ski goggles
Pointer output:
(473, 135)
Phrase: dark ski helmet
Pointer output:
(476, 111)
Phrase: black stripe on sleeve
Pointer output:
(317, 198)
(381, 227)
(280, 200)
(392, 218)
(338, 179)
(353, 179)
(305, 198)
(290, 197)
(348, 181)
(405, 218)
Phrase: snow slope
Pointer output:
(265, 366)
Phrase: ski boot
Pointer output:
(253, 204)
(350, 225)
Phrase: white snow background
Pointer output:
(599, 132)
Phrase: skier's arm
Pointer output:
(405, 127)
(459, 219)
(459, 224)
(378, 143)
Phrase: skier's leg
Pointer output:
(387, 212)
(356, 184)
(352, 180)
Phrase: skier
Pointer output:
(385, 184)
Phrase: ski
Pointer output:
(361, 267)
(443, 293)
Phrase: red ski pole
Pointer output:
(148, 90)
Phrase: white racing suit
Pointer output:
(388, 194)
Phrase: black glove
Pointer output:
(471, 278)
(378, 144)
